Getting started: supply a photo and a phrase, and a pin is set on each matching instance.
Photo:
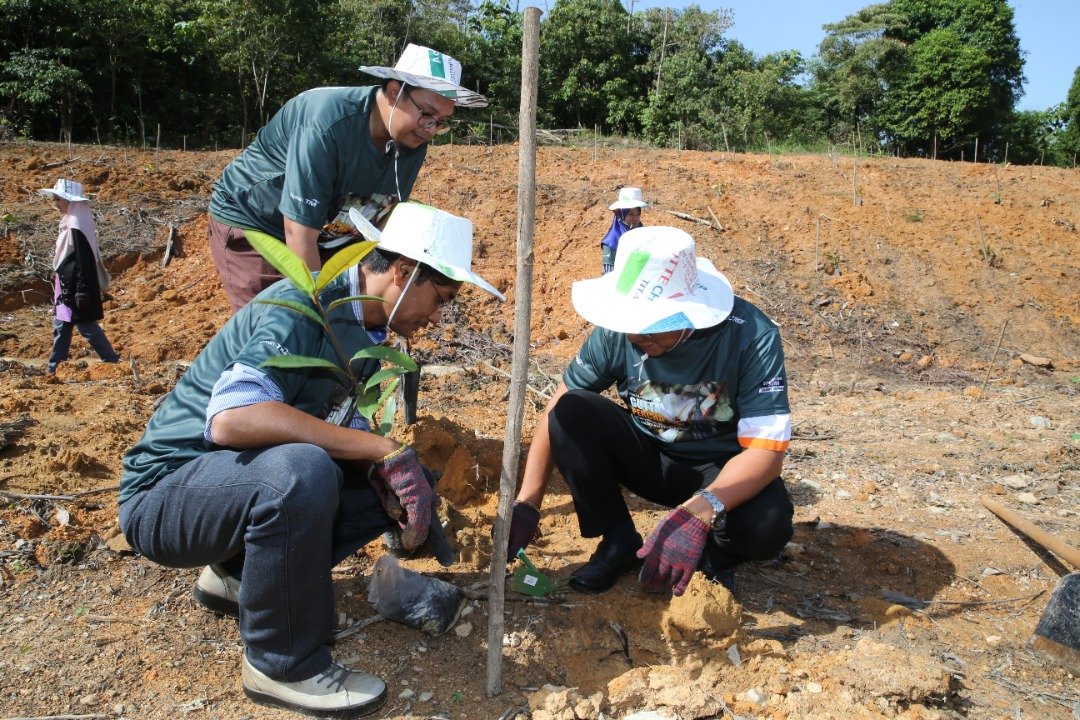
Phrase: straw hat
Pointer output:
(657, 285)
(431, 70)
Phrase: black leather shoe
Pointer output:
(724, 577)
(605, 567)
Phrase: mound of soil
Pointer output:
(931, 319)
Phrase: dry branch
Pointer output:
(691, 218)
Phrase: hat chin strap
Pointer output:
(393, 140)
(397, 303)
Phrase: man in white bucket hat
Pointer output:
(626, 216)
(266, 476)
(326, 150)
(701, 373)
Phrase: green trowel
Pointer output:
(530, 581)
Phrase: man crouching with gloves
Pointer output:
(266, 476)
(703, 426)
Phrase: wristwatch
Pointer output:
(719, 511)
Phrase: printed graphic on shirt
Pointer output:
(339, 232)
(773, 385)
(675, 413)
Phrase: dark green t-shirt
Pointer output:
(174, 435)
(314, 156)
(721, 390)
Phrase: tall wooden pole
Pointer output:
(530, 52)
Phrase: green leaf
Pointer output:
(384, 375)
(283, 259)
(342, 261)
(388, 354)
(291, 362)
(294, 306)
(387, 421)
(353, 298)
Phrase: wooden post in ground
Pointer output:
(976, 160)
(530, 45)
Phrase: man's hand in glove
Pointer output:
(673, 551)
(524, 525)
(401, 473)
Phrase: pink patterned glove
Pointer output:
(401, 473)
(673, 551)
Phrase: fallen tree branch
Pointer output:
(541, 393)
(76, 496)
(691, 218)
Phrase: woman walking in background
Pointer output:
(627, 209)
(79, 276)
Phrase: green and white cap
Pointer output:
(431, 70)
(657, 285)
(430, 236)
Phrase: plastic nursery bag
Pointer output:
(428, 604)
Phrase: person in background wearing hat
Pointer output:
(704, 429)
(79, 277)
(266, 475)
(627, 210)
(326, 150)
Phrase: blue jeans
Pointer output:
(89, 330)
(285, 515)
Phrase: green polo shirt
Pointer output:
(174, 435)
(314, 156)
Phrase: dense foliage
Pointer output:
(915, 77)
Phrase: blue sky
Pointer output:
(1047, 30)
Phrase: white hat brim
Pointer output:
(50, 193)
(597, 301)
(627, 204)
(462, 97)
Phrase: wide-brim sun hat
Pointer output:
(432, 70)
(67, 189)
(658, 285)
(428, 235)
(629, 197)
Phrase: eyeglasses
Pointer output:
(428, 121)
(442, 301)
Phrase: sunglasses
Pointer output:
(428, 121)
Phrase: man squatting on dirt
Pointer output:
(702, 375)
(268, 477)
(326, 150)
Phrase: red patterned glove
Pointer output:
(401, 473)
(673, 551)
(524, 524)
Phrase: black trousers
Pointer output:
(599, 451)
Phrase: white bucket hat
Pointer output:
(67, 189)
(657, 285)
(629, 197)
(431, 70)
(430, 236)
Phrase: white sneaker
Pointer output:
(335, 692)
(219, 591)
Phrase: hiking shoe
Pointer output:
(605, 567)
(219, 591)
(335, 692)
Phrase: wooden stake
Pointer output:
(976, 160)
(990, 366)
(169, 246)
(530, 44)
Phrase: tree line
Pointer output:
(929, 78)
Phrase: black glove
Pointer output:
(524, 526)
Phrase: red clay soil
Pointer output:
(931, 319)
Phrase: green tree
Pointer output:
(586, 57)
(1070, 112)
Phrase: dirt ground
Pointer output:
(931, 319)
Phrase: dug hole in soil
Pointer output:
(930, 317)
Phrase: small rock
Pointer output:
(88, 699)
(755, 696)
(1028, 498)
(463, 629)
(988, 571)
(406, 694)
(733, 655)
(813, 687)
(1037, 361)
(843, 495)
(425, 696)
(1016, 482)
(923, 363)
(944, 437)
(1037, 421)
(993, 640)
